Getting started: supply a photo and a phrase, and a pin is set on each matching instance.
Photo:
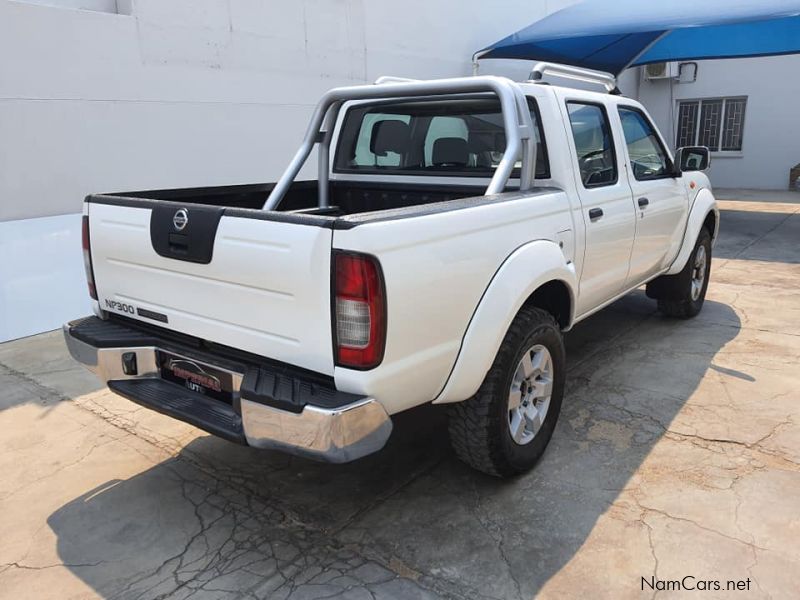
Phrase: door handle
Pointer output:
(643, 202)
(595, 213)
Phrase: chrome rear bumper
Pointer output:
(336, 435)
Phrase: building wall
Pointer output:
(138, 94)
(771, 141)
(109, 95)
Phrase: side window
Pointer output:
(593, 143)
(648, 158)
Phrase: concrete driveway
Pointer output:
(677, 454)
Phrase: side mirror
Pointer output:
(692, 158)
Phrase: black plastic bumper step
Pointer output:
(108, 334)
(285, 392)
(267, 382)
(170, 399)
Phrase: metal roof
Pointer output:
(612, 35)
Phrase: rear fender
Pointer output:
(522, 273)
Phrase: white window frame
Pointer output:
(696, 135)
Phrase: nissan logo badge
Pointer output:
(181, 219)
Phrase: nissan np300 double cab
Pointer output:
(456, 229)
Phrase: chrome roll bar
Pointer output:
(517, 123)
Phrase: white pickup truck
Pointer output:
(455, 230)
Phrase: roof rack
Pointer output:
(540, 69)
(392, 79)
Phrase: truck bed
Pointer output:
(260, 280)
(346, 197)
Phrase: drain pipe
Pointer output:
(475, 58)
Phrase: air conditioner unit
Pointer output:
(661, 70)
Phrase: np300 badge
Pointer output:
(181, 219)
(119, 306)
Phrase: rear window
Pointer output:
(462, 137)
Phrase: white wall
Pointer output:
(200, 92)
(771, 142)
(42, 281)
(187, 93)
(138, 94)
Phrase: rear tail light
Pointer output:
(359, 300)
(87, 257)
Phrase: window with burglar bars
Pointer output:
(714, 122)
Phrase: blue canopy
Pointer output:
(611, 35)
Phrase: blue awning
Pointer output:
(610, 35)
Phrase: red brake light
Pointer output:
(87, 257)
(359, 310)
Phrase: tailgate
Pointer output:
(262, 286)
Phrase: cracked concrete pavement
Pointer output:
(677, 453)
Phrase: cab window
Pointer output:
(430, 137)
(648, 158)
(593, 144)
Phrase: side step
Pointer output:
(175, 401)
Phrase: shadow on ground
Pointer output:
(224, 520)
(779, 246)
(36, 368)
(765, 226)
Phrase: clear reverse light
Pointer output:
(352, 323)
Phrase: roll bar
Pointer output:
(517, 123)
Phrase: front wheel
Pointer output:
(506, 426)
(682, 295)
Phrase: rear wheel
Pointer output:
(504, 429)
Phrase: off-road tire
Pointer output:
(676, 300)
(479, 430)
